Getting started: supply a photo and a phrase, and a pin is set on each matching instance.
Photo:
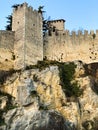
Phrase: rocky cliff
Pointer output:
(50, 96)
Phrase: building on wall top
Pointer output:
(58, 24)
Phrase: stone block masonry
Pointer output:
(6, 49)
(27, 24)
(65, 46)
(7, 40)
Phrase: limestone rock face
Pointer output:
(3, 102)
(28, 119)
(41, 100)
(24, 90)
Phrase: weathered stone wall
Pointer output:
(63, 46)
(6, 50)
(27, 25)
(7, 40)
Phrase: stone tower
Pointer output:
(28, 47)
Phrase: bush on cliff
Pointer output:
(67, 72)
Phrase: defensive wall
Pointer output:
(66, 46)
(7, 40)
(6, 49)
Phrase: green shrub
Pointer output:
(46, 63)
(42, 64)
(66, 72)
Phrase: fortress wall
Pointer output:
(6, 59)
(63, 46)
(7, 40)
(6, 49)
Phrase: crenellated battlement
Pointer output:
(25, 6)
(72, 34)
(20, 7)
(63, 45)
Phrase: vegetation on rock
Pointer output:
(66, 73)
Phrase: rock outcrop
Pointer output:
(31, 119)
(42, 103)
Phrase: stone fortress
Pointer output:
(25, 44)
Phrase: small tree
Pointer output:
(45, 21)
(40, 10)
(9, 21)
(9, 18)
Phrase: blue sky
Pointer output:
(79, 14)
